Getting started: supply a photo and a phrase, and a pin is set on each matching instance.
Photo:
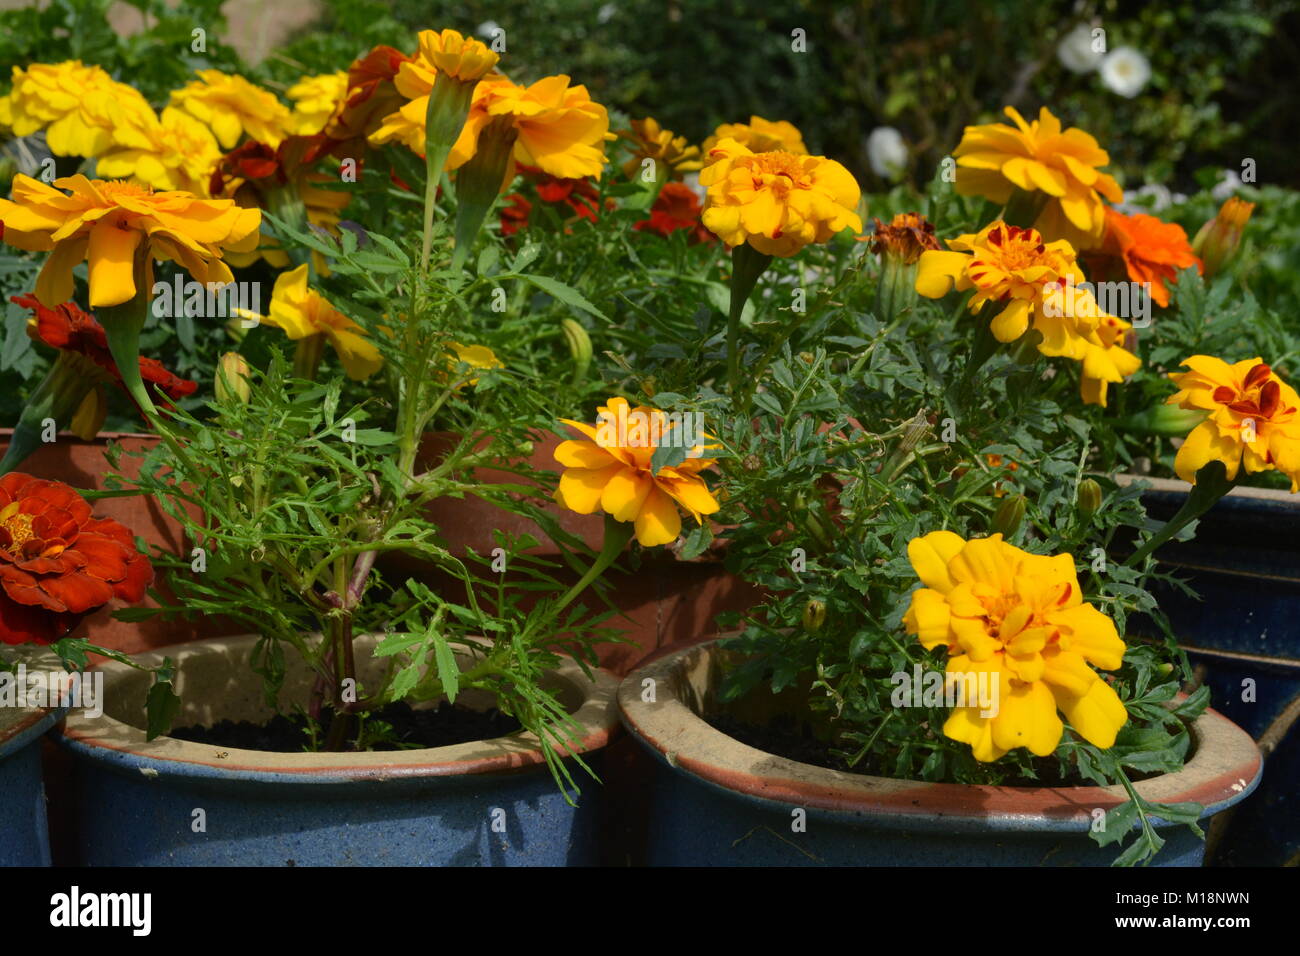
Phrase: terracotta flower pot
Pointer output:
(720, 802)
(83, 465)
(138, 801)
(1242, 637)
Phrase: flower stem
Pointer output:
(617, 535)
(1211, 484)
(747, 265)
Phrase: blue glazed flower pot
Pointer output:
(718, 802)
(1243, 637)
(24, 836)
(173, 802)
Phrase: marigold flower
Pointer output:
(315, 101)
(559, 128)
(1021, 619)
(179, 155)
(907, 236)
(759, 136)
(69, 329)
(778, 202)
(676, 207)
(1152, 251)
(57, 562)
(612, 472)
(1218, 240)
(1253, 418)
(448, 52)
(995, 159)
(476, 357)
(82, 109)
(670, 153)
(231, 106)
(301, 313)
(1037, 282)
(105, 223)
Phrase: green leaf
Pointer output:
(566, 294)
(448, 672)
(162, 706)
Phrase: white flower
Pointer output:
(606, 13)
(886, 152)
(1136, 201)
(1076, 51)
(489, 29)
(691, 181)
(1125, 71)
(1228, 184)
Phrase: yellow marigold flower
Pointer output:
(459, 57)
(1020, 618)
(651, 141)
(778, 202)
(560, 129)
(611, 472)
(995, 159)
(476, 357)
(315, 100)
(180, 155)
(301, 313)
(1037, 281)
(1217, 241)
(1253, 418)
(232, 106)
(760, 136)
(106, 222)
(82, 109)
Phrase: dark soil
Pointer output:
(787, 737)
(442, 726)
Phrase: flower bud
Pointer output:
(814, 616)
(1007, 519)
(233, 378)
(90, 414)
(900, 245)
(1089, 500)
(579, 346)
(1217, 242)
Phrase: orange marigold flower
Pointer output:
(1153, 251)
(57, 562)
(676, 207)
(907, 236)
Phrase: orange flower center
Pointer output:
(1258, 397)
(1011, 249)
(779, 170)
(19, 526)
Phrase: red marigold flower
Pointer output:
(70, 329)
(676, 207)
(57, 562)
(514, 217)
(1152, 250)
(578, 194)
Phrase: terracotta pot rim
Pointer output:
(102, 438)
(1225, 768)
(108, 740)
(1178, 486)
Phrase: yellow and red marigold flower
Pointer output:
(1152, 251)
(315, 101)
(371, 95)
(611, 472)
(82, 109)
(106, 222)
(70, 329)
(776, 201)
(57, 562)
(514, 214)
(231, 107)
(1021, 619)
(179, 155)
(1034, 284)
(671, 154)
(1253, 418)
(301, 312)
(993, 160)
(676, 207)
(759, 136)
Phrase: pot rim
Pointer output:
(1225, 768)
(106, 739)
(1178, 486)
